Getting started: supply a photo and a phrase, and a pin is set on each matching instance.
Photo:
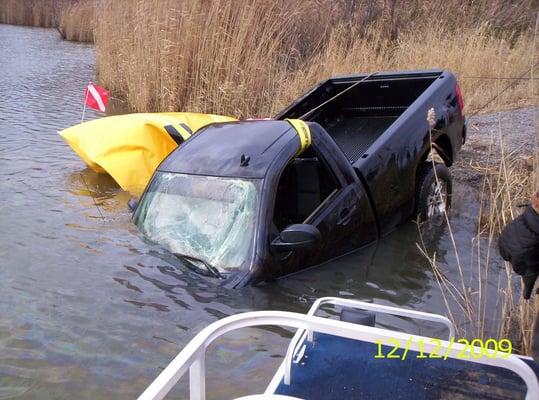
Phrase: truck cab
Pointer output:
(254, 207)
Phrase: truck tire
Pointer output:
(429, 202)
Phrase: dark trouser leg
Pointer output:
(535, 331)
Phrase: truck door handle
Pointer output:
(345, 216)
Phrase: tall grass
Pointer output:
(478, 309)
(44, 13)
(253, 57)
(472, 53)
(77, 21)
(203, 56)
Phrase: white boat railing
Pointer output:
(192, 357)
(299, 337)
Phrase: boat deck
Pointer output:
(339, 368)
(331, 359)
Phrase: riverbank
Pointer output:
(73, 19)
(77, 22)
(40, 13)
(511, 132)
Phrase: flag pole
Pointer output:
(84, 106)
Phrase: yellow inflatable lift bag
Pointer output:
(130, 147)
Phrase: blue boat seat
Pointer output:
(334, 368)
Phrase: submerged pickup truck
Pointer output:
(342, 166)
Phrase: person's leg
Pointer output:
(535, 332)
(535, 201)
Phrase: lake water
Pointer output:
(89, 310)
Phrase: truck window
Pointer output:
(304, 184)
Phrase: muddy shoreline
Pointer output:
(491, 135)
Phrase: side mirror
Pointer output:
(295, 237)
(132, 204)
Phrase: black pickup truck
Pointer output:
(250, 201)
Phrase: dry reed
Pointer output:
(473, 53)
(44, 13)
(507, 184)
(253, 59)
(77, 21)
(504, 187)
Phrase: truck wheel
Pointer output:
(433, 197)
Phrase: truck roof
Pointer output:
(218, 149)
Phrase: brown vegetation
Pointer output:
(253, 59)
(469, 299)
(77, 21)
(478, 308)
(74, 19)
(44, 13)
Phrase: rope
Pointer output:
(337, 95)
(496, 78)
(513, 83)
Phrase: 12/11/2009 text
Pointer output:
(423, 348)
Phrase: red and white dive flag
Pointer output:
(96, 97)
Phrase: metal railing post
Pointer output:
(197, 377)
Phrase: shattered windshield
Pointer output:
(208, 218)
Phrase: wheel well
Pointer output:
(443, 147)
(443, 151)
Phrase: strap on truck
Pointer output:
(304, 134)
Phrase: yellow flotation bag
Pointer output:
(130, 147)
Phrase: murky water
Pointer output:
(88, 310)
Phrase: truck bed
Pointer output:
(354, 135)
(356, 119)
